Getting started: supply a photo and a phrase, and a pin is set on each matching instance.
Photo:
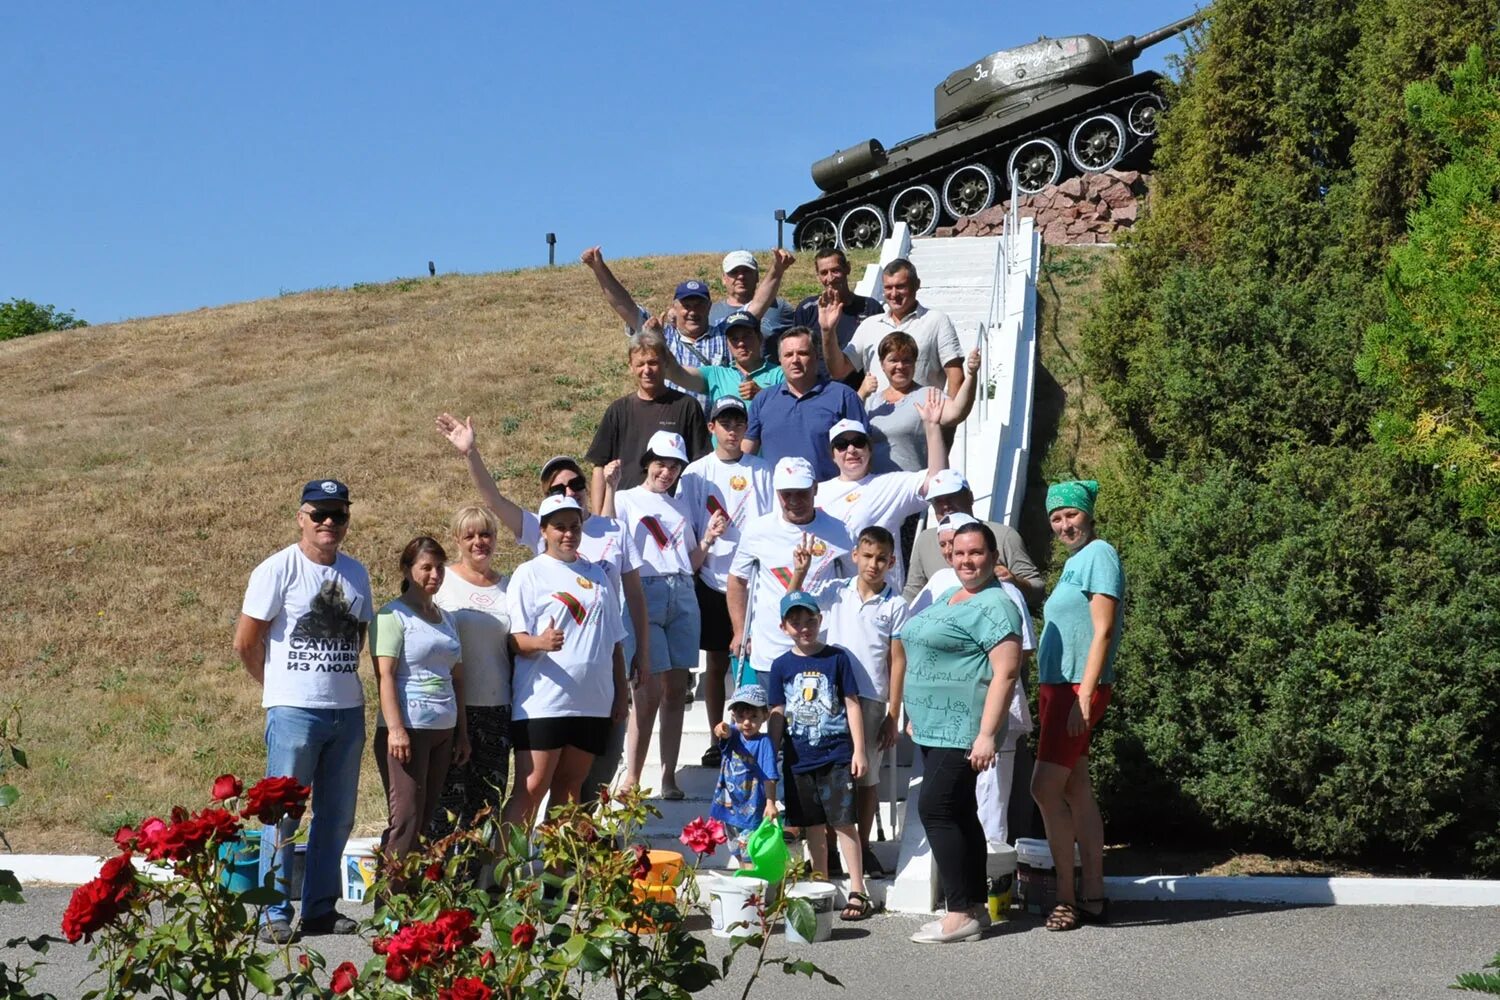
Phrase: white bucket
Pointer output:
(822, 896)
(730, 912)
(358, 866)
(1038, 854)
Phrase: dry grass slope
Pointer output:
(146, 466)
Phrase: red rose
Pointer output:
(454, 929)
(150, 831)
(434, 872)
(118, 874)
(522, 936)
(466, 989)
(642, 862)
(97, 902)
(344, 978)
(271, 799)
(227, 786)
(487, 960)
(703, 835)
(380, 945)
(125, 838)
(397, 970)
(219, 824)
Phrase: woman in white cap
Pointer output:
(569, 666)
(604, 540)
(661, 522)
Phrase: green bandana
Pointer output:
(1079, 493)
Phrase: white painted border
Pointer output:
(75, 869)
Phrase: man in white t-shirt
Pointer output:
(299, 636)
(761, 571)
(940, 358)
(738, 484)
(860, 498)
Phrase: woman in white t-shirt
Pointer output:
(569, 683)
(660, 521)
(419, 674)
(473, 594)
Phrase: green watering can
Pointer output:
(767, 851)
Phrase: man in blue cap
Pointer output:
(300, 631)
(691, 338)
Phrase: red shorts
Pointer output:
(1054, 703)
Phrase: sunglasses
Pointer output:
(336, 516)
(574, 485)
(852, 441)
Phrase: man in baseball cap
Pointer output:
(692, 338)
(741, 280)
(948, 492)
(762, 569)
(750, 369)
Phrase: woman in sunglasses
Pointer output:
(603, 540)
(570, 685)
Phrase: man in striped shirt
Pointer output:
(692, 340)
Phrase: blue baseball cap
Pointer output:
(798, 599)
(741, 318)
(322, 490)
(692, 289)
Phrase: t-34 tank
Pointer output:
(1032, 113)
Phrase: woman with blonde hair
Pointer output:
(473, 594)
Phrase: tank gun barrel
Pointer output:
(1131, 45)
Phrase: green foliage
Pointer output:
(1435, 361)
(21, 318)
(1311, 655)
(1481, 982)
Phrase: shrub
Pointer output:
(21, 318)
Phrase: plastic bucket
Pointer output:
(666, 868)
(241, 859)
(1000, 871)
(1036, 878)
(730, 912)
(822, 896)
(359, 867)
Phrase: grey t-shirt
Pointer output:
(896, 436)
(778, 316)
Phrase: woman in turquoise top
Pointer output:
(1076, 662)
(962, 655)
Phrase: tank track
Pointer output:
(994, 155)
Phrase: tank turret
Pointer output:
(1021, 117)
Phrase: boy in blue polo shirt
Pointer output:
(814, 699)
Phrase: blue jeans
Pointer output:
(320, 747)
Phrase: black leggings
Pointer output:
(950, 814)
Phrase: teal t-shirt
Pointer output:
(725, 380)
(1068, 628)
(948, 669)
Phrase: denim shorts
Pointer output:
(672, 609)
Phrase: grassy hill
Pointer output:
(146, 466)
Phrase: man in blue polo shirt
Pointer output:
(793, 418)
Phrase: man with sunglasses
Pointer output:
(300, 631)
(859, 498)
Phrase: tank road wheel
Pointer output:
(969, 190)
(817, 233)
(917, 206)
(1142, 116)
(1035, 164)
(861, 228)
(1097, 143)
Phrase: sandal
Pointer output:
(858, 907)
(1064, 917)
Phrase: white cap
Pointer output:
(952, 522)
(667, 444)
(945, 483)
(793, 473)
(740, 258)
(553, 504)
(847, 426)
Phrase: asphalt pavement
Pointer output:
(1156, 950)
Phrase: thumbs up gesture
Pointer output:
(551, 637)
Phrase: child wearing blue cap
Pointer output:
(814, 698)
(746, 792)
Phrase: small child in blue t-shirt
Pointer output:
(746, 792)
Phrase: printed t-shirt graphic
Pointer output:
(479, 615)
(948, 669)
(740, 795)
(742, 490)
(811, 692)
(312, 642)
(887, 500)
(576, 597)
(604, 541)
(425, 654)
(660, 527)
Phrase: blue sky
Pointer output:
(166, 156)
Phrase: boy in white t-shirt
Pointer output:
(738, 485)
(863, 614)
(299, 636)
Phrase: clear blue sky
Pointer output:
(165, 156)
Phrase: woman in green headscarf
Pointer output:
(1076, 664)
